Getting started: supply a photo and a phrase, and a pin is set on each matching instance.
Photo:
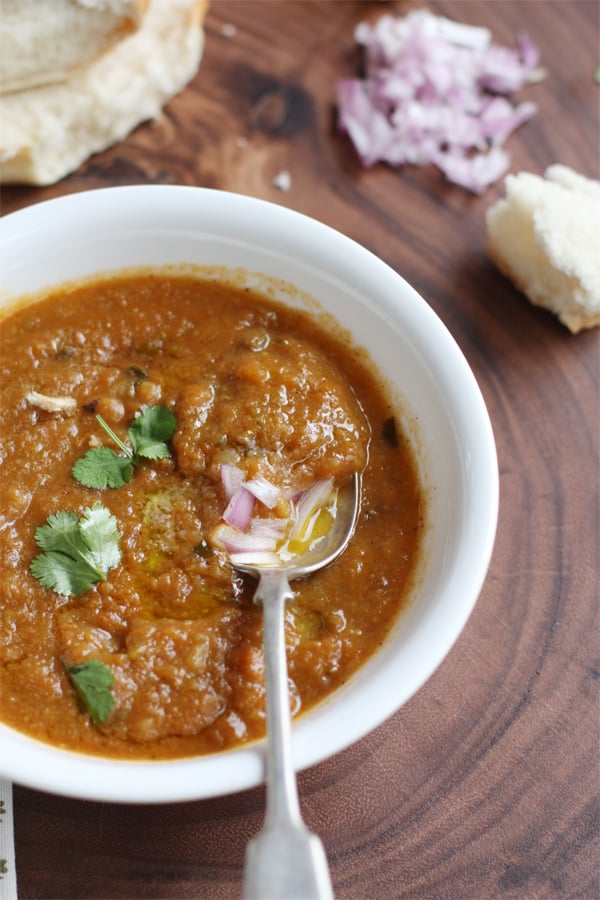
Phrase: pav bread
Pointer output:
(45, 41)
(48, 131)
(545, 236)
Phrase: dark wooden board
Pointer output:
(485, 784)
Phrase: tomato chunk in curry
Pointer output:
(252, 384)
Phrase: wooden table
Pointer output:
(485, 784)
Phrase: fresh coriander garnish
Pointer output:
(102, 467)
(77, 552)
(92, 680)
(149, 432)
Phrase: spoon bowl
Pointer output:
(285, 861)
(326, 549)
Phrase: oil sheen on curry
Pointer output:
(154, 426)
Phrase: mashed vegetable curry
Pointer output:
(144, 421)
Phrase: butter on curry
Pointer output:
(140, 416)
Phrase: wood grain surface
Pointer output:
(485, 784)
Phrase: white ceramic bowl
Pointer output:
(438, 398)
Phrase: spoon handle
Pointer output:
(284, 861)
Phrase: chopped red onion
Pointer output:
(473, 172)
(529, 52)
(311, 500)
(431, 95)
(499, 118)
(238, 511)
(231, 479)
(255, 539)
(255, 559)
(268, 494)
(232, 539)
(274, 527)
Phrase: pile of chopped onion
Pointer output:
(299, 518)
(435, 91)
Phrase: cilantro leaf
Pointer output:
(98, 528)
(150, 431)
(114, 436)
(102, 467)
(61, 529)
(77, 553)
(63, 574)
(92, 680)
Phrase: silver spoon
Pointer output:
(285, 861)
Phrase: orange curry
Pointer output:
(250, 387)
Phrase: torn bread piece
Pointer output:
(45, 41)
(545, 236)
(47, 132)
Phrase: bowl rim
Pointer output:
(45, 767)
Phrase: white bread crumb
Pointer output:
(545, 236)
(283, 180)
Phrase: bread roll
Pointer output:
(45, 41)
(47, 132)
(545, 236)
